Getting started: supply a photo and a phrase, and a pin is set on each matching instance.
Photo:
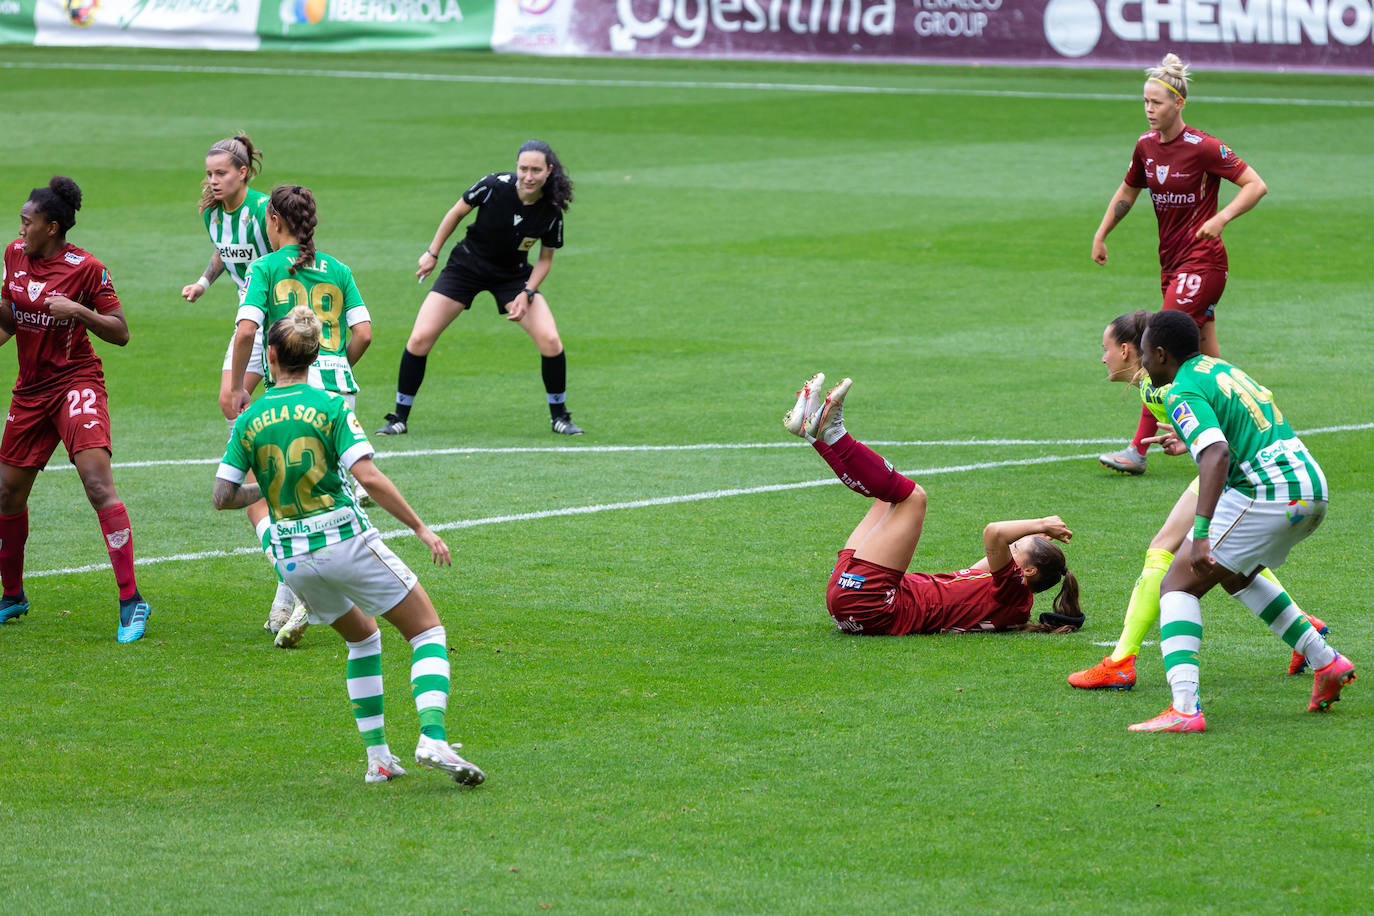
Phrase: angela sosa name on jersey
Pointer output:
(299, 412)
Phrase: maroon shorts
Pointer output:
(78, 416)
(863, 597)
(1196, 292)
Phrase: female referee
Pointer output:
(514, 210)
(302, 440)
(870, 593)
(55, 293)
(1182, 167)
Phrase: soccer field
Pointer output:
(642, 662)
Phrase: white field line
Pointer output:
(851, 89)
(645, 503)
(700, 446)
(579, 510)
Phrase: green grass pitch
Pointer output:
(668, 719)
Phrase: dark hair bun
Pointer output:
(66, 190)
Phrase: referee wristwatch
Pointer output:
(530, 292)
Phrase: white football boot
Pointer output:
(385, 769)
(439, 755)
(826, 422)
(289, 636)
(808, 399)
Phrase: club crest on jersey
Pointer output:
(35, 290)
(851, 581)
(1161, 173)
(1183, 418)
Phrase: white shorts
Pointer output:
(1248, 533)
(255, 358)
(360, 571)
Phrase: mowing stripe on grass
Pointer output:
(699, 446)
(581, 510)
(727, 85)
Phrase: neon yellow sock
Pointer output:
(1268, 574)
(1143, 610)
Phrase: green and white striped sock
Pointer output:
(365, 690)
(429, 672)
(1267, 600)
(1180, 639)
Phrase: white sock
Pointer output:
(1180, 639)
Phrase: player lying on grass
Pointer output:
(1121, 356)
(301, 440)
(870, 592)
(1260, 492)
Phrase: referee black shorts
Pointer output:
(464, 276)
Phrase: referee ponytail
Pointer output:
(558, 188)
(295, 206)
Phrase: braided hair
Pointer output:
(295, 206)
(558, 188)
(59, 201)
(242, 153)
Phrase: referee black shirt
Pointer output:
(505, 228)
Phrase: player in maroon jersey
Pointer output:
(1182, 167)
(870, 592)
(55, 293)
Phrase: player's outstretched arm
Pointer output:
(193, 291)
(1117, 208)
(447, 225)
(385, 494)
(7, 326)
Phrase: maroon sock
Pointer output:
(864, 471)
(14, 533)
(119, 540)
(1148, 426)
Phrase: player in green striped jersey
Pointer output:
(1260, 492)
(300, 440)
(295, 273)
(1121, 356)
(236, 219)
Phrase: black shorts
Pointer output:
(464, 276)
